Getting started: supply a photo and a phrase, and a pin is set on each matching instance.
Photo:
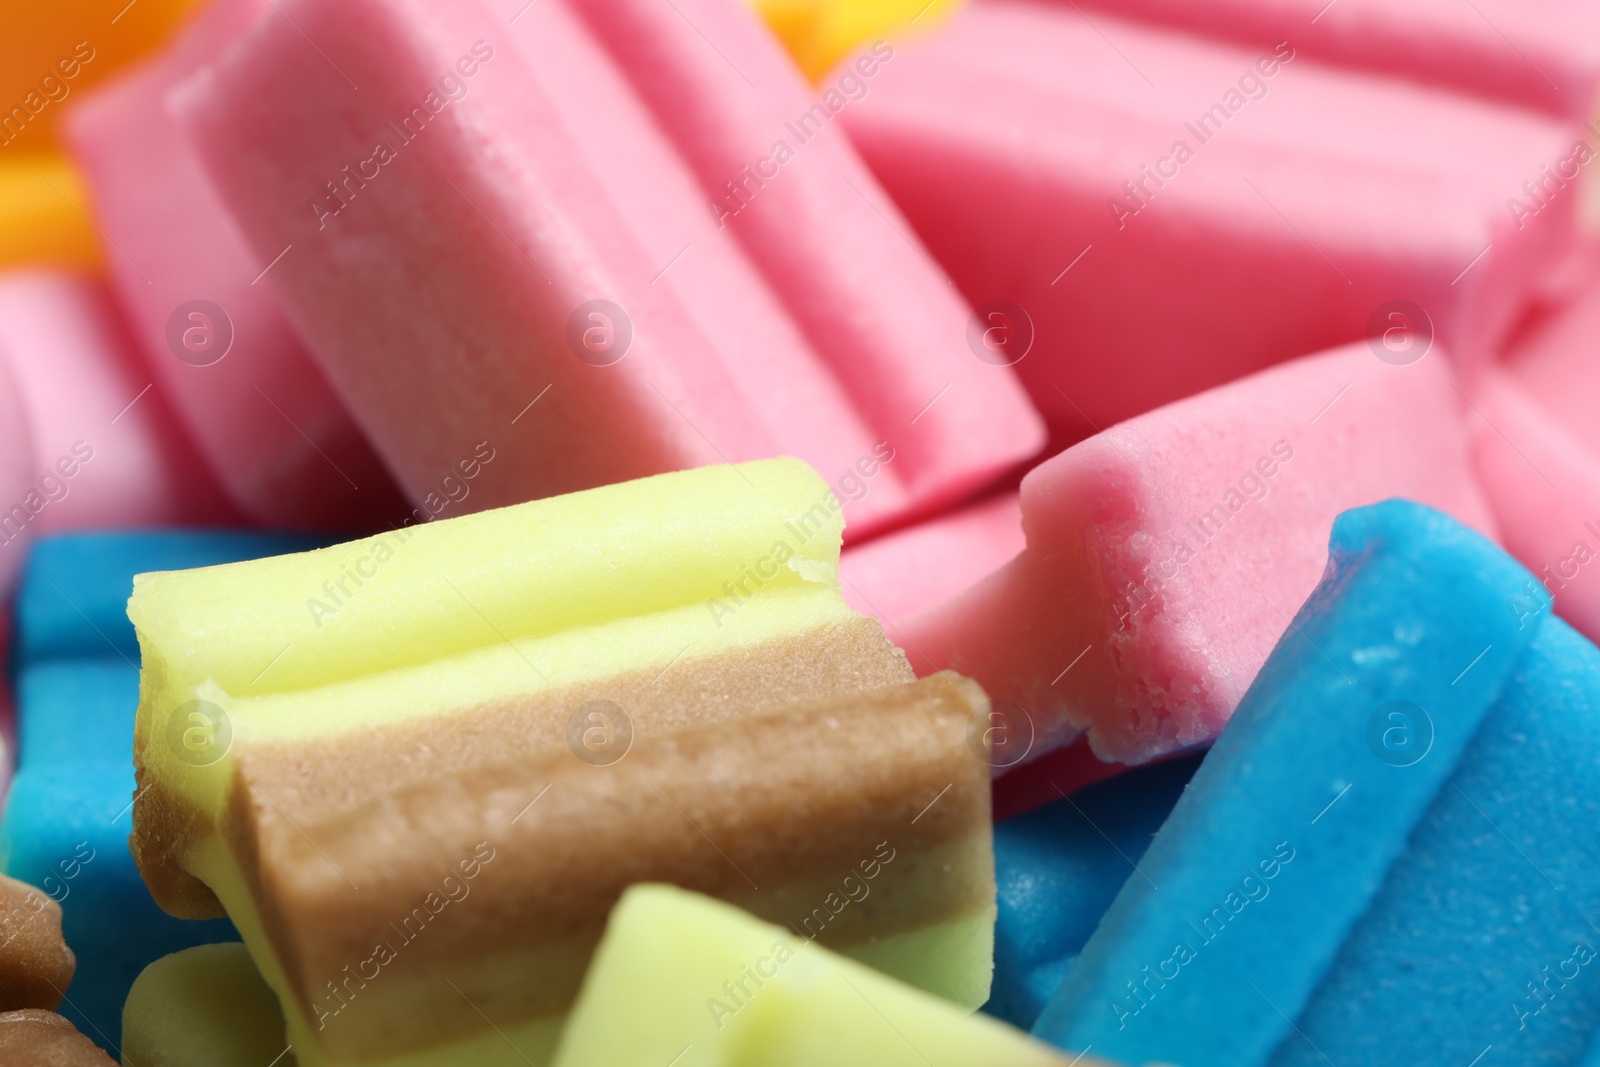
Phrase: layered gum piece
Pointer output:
(1544, 56)
(108, 448)
(552, 182)
(1166, 555)
(1043, 168)
(263, 414)
(754, 720)
(1537, 448)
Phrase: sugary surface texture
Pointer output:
(1482, 926)
(1058, 869)
(35, 963)
(1166, 555)
(1287, 831)
(45, 1039)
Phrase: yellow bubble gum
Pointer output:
(44, 213)
(820, 33)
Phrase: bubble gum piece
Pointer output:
(920, 567)
(819, 33)
(667, 611)
(42, 1037)
(819, 227)
(16, 478)
(202, 1007)
(212, 331)
(1537, 449)
(1441, 924)
(35, 963)
(1543, 57)
(1058, 869)
(65, 826)
(1165, 555)
(1141, 244)
(44, 214)
(1284, 837)
(108, 449)
(667, 979)
(583, 262)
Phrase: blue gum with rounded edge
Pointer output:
(1292, 823)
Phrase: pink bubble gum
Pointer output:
(1537, 448)
(909, 571)
(16, 480)
(1044, 169)
(783, 179)
(107, 449)
(1543, 55)
(1167, 555)
(268, 422)
(533, 185)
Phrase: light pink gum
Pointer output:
(1537, 448)
(1005, 136)
(548, 185)
(16, 480)
(1164, 561)
(911, 570)
(1543, 55)
(842, 258)
(95, 412)
(270, 425)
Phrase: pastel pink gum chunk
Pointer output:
(16, 479)
(1543, 54)
(727, 301)
(85, 388)
(546, 186)
(838, 252)
(911, 570)
(266, 418)
(1538, 455)
(1004, 136)
(1063, 632)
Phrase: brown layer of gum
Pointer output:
(771, 811)
(307, 784)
